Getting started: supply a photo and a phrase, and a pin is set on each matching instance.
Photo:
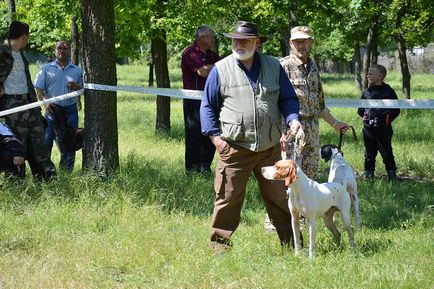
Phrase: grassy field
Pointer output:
(148, 226)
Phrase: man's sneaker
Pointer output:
(369, 175)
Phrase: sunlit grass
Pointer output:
(147, 226)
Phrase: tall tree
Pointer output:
(74, 40)
(371, 50)
(11, 10)
(411, 24)
(49, 22)
(159, 57)
(402, 50)
(100, 150)
(74, 34)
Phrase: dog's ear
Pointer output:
(291, 174)
(326, 152)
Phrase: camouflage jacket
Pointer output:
(6, 64)
(307, 84)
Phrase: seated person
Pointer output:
(11, 152)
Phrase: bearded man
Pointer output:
(245, 98)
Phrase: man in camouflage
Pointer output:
(16, 89)
(304, 76)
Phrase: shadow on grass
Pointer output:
(372, 246)
(390, 205)
(163, 182)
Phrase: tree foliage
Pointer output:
(49, 21)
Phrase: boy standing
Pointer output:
(377, 123)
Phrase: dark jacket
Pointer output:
(378, 117)
(6, 64)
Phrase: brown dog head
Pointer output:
(286, 170)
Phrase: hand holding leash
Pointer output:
(341, 134)
(340, 127)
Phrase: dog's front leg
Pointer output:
(295, 222)
(312, 236)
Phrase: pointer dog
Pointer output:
(342, 173)
(312, 200)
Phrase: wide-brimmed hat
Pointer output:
(244, 30)
(301, 32)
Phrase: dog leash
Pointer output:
(341, 136)
(294, 153)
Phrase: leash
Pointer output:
(341, 136)
(297, 142)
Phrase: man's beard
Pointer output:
(244, 56)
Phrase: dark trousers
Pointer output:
(378, 140)
(29, 130)
(199, 150)
(64, 121)
(233, 170)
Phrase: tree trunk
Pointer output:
(406, 76)
(284, 45)
(151, 69)
(368, 54)
(285, 32)
(357, 59)
(100, 150)
(11, 10)
(151, 75)
(74, 40)
(374, 42)
(402, 47)
(159, 49)
(318, 63)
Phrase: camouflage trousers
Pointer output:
(310, 157)
(29, 130)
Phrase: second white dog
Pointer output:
(312, 200)
(342, 173)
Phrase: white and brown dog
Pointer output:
(342, 173)
(312, 200)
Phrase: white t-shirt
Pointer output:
(16, 82)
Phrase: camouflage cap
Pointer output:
(301, 32)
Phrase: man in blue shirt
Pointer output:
(57, 78)
(245, 97)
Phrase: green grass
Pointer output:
(148, 225)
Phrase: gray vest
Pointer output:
(248, 119)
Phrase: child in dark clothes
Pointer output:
(377, 124)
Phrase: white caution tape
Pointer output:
(42, 102)
(382, 103)
(197, 94)
(335, 102)
(171, 92)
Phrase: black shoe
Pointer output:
(206, 171)
(369, 175)
(391, 175)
